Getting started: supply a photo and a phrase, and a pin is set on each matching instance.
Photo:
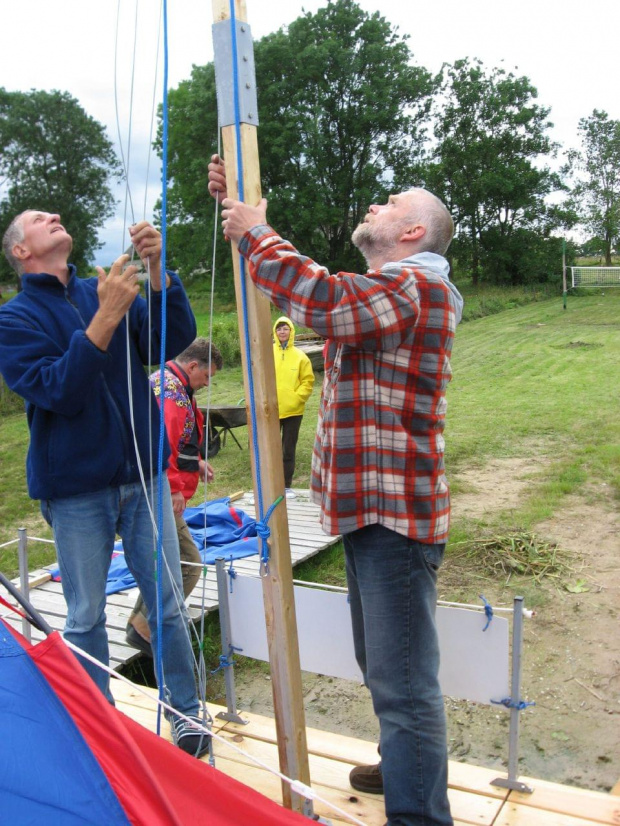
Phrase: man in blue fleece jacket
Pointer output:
(65, 346)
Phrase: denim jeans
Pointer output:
(85, 528)
(392, 590)
(190, 574)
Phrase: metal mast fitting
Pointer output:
(226, 73)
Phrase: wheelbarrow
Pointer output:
(222, 421)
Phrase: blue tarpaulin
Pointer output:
(217, 528)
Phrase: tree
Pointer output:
(342, 115)
(490, 136)
(592, 248)
(596, 195)
(56, 158)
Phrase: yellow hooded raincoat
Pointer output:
(294, 375)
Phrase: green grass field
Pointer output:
(531, 380)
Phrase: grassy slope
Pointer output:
(530, 379)
(540, 378)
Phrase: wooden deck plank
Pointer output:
(327, 744)
(329, 774)
(596, 807)
(331, 770)
(472, 799)
(513, 814)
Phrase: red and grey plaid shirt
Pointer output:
(378, 453)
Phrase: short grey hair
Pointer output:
(202, 351)
(433, 214)
(14, 235)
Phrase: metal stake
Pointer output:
(24, 585)
(511, 781)
(225, 627)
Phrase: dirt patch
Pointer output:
(571, 664)
(571, 651)
(497, 486)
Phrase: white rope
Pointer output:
(296, 785)
(199, 634)
(125, 163)
(178, 594)
(38, 539)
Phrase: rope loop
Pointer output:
(231, 573)
(224, 663)
(488, 611)
(510, 703)
(264, 531)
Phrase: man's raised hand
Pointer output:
(217, 178)
(116, 290)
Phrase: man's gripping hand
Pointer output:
(147, 242)
(238, 217)
(217, 178)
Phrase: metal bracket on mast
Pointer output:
(226, 72)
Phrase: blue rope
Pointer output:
(231, 573)
(488, 610)
(242, 272)
(264, 531)
(162, 358)
(224, 661)
(510, 703)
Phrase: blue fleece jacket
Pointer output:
(77, 397)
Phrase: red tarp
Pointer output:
(156, 783)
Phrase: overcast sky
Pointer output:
(70, 45)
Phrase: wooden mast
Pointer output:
(278, 580)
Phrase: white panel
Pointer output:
(474, 663)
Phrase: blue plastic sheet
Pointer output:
(217, 528)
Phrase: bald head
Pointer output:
(411, 222)
(433, 214)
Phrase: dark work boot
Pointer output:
(367, 779)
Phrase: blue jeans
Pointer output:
(85, 528)
(392, 590)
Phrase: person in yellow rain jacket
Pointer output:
(294, 382)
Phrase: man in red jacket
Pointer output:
(190, 371)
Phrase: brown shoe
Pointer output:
(367, 779)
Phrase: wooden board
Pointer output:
(569, 801)
(472, 798)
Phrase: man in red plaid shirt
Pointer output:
(377, 465)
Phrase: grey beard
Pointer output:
(369, 242)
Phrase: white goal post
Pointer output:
(595, 276)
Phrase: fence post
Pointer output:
(511, 781)
(227, 651)
(23, 576)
